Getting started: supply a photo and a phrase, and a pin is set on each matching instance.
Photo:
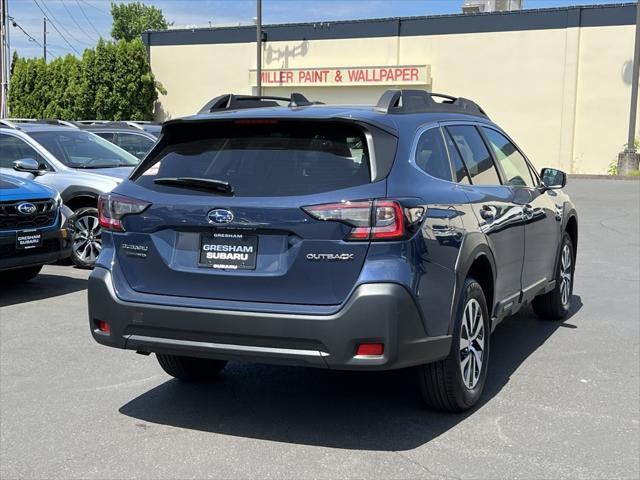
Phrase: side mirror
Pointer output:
(28, 165)
(553, 179)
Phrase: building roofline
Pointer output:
(457, 23)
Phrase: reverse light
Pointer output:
(112, 208)
(369, 219)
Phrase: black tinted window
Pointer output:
(135, 144)
(13, 148)
(475, 155)
(431, 155)
(458, 165)
(276, 159)
(108, 136)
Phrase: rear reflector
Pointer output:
(370, 219)
(103, 326)
(370, 349)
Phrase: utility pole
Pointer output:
(259, 47)
(44, 38)
(629, 159)
(4, 57)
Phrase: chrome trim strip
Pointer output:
(229, 347)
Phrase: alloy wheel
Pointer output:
(87, 238)
(565, 275)
(472, 341)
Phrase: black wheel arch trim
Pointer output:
(72, 192)
(473, 248)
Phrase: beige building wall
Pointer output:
(562, 94)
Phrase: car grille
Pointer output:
(49, 245)
(11, 219)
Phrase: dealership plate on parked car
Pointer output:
(234, 251)
(27, 239)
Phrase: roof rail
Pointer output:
(419, 101)
(7, 123)
(230, 101)
(109, 123)
(45, 121)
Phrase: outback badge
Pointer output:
(330, 257)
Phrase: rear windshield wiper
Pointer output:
(219, 186)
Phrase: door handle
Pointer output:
(527, 210)
(487, 213)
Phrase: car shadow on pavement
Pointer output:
(41, 287)
(338, 409)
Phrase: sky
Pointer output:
(77, 24)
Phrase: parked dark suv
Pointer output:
(365, 238)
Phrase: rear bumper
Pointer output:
(56, 245)
(375, 313)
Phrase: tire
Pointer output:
(443, 384)
(555, 304)
(21, 275)
(86, 237)
(191, 369)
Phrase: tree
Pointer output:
(131, 19)
(113, 81)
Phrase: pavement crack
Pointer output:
(421, 466)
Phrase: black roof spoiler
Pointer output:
(230, 101)
(419, 101)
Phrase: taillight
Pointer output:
(370, 219)
(112, 208)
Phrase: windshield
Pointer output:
(78, 149)
(278, 159)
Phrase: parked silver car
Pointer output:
(79, 164)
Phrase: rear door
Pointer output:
(496, 208)
(257, 244)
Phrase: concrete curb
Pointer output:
(603, 177)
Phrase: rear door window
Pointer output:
(279, 158)
(431, 155)
(475, 154)
(459, 169)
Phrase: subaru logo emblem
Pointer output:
(26, 208)
(220, 215)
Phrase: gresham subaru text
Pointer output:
(367, 238)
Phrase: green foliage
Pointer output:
(111, 82)
(613, 166)
(131, 19)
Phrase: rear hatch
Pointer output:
(226, 214)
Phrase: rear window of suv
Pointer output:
(265, 158)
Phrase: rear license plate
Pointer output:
(27, 239)
(228, 251)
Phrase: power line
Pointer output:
(89, 21)
(56, 28)
(97, 8)
(76, 22)
(17, 25)
(63, 27)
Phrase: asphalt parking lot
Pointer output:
(562, 399)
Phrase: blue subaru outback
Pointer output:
(32, 228)
(364, 238)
